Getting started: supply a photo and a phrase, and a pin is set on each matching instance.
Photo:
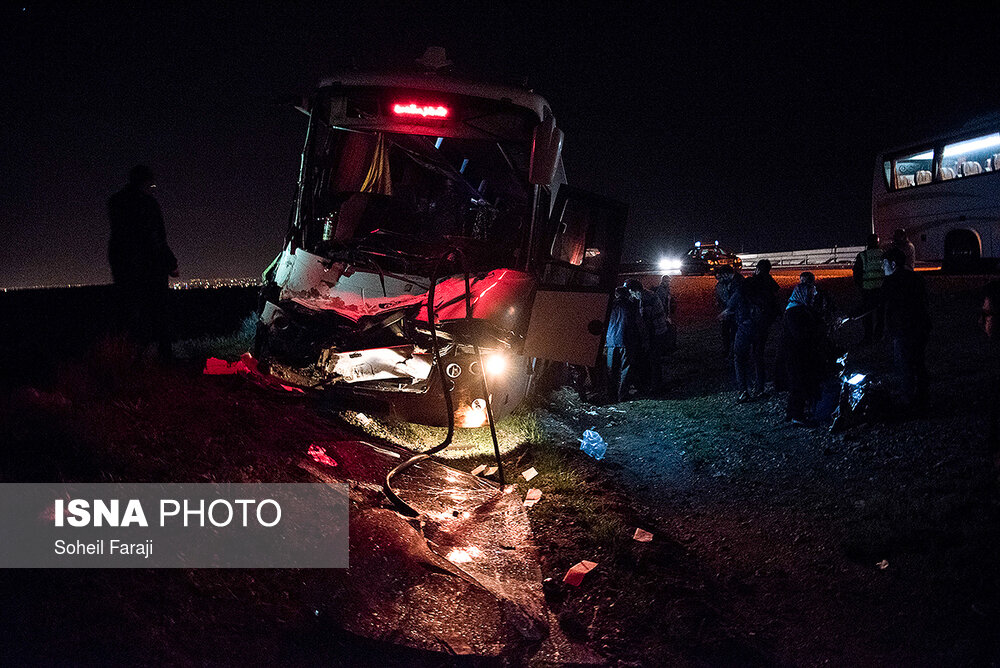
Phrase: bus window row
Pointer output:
(969, 157)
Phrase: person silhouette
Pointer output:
(141, 262)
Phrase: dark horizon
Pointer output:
(757, 128)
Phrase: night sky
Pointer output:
(754, 124)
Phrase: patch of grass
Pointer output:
(224, 347)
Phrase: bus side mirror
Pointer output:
(546, 147)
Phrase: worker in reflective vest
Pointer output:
(868, 276)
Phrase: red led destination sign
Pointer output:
(422, 110)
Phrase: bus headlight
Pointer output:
(496, 364)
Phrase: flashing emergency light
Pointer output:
(422, 110)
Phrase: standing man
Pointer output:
(666, 297)
(908, 323)
(654, 326)
(903, 243)
(141, 261)
(801, 352)
(868, 276)
(669, 302)
(622, 344)
(989, 320)
(754, 308)
(727, 281)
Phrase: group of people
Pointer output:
(640, 333)
(893, 303)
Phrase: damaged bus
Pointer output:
(434, 248)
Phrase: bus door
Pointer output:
(577, 260)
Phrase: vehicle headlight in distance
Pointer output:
(496, 364)
(669, 264)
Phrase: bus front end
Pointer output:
(404, 271)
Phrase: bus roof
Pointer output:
(518, 96)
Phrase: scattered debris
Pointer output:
(319, 455)
(574, 576)
(529, 474)
(490, 471)
(216, 367)
(532, 497)
(479, 469)
(246, 366)
(882, 565)
(593, 444)
(642, 536)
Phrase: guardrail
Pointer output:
(838, 255)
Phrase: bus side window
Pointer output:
(913, 170)
(969, 157)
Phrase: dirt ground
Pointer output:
(772, 544)
(871, 547)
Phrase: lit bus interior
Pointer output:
(956, 160)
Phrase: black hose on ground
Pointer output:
(449, 405)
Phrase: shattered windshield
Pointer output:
(421, 181)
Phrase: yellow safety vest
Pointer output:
(871, 268)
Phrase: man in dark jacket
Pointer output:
(907, 323)
(754, 308)
(801, 351)
(141, 261)
(622, 344)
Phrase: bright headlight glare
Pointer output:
(496, 364)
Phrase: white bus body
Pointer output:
(945, 192)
